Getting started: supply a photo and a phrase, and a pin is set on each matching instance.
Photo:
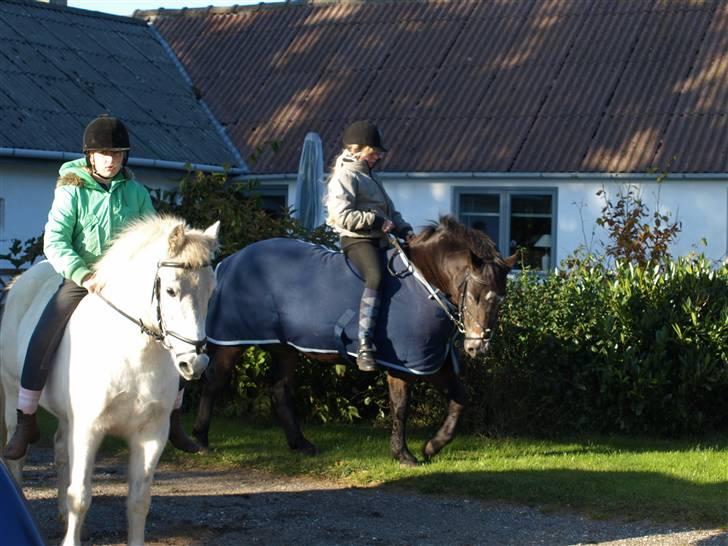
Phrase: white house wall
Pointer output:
(701, 205)
(26, 187)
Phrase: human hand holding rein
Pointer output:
(387, 226)
(91, 284)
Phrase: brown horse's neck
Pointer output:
(430, 260)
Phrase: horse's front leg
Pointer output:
(82, 450)
(145, 448)
(60, 444)
(216, 378)
(399, 400)
(452, 387)
(282, 368)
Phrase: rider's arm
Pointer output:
(58, 237)
(401, 228)
(146, 208)
(341, 202)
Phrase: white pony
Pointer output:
(117, 368)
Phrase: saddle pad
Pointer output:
(294, 292)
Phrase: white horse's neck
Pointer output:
(132, 290)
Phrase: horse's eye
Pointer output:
(171, 292)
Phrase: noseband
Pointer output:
(160, 333)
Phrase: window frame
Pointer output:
(271, 190)
(505, 194)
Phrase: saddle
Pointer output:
(307, 296)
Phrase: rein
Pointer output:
(454, 313)
(439, 298)
(160, 333)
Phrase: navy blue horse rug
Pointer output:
(290, 291)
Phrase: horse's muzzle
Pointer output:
(191, 365)
(476, 346)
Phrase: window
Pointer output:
(515, 218)
(273, 199)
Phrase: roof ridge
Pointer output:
(78, 11)
(151, 14)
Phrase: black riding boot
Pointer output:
(368, 310)
(27, 432)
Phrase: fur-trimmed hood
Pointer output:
(75, 173)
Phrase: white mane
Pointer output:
(147, 240)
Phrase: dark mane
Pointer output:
(449, 229)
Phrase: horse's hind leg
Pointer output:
(282, 368)
(452, 387)
(145, 448)
(399, 399)
(83, 445)
(217, 377)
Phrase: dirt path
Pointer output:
(209, 507)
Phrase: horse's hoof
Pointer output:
(202, 440)
(408, 463)
(306, 448)
(406, 459)
(429, 452)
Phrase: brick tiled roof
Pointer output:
(486, 85)
(61, 67)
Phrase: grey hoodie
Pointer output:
(357, 202)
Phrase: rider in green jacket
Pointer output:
(87, 214)
(95, 198)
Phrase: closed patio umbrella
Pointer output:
(309, 208)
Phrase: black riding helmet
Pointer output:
(363, 133)
(105, 133)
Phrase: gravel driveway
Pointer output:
(211, 507)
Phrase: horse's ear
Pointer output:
(177, 239)
(213, 230)
(510, 261)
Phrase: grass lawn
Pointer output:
(680, 481)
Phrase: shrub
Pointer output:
(630, 349)
(22, 254)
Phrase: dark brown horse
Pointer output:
(462, 264)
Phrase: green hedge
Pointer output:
(628, 349)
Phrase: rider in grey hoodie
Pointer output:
(360, 210)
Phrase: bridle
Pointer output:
(455, 313)
(160, 333)
(486, 333)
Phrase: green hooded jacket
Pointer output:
(84, 217)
